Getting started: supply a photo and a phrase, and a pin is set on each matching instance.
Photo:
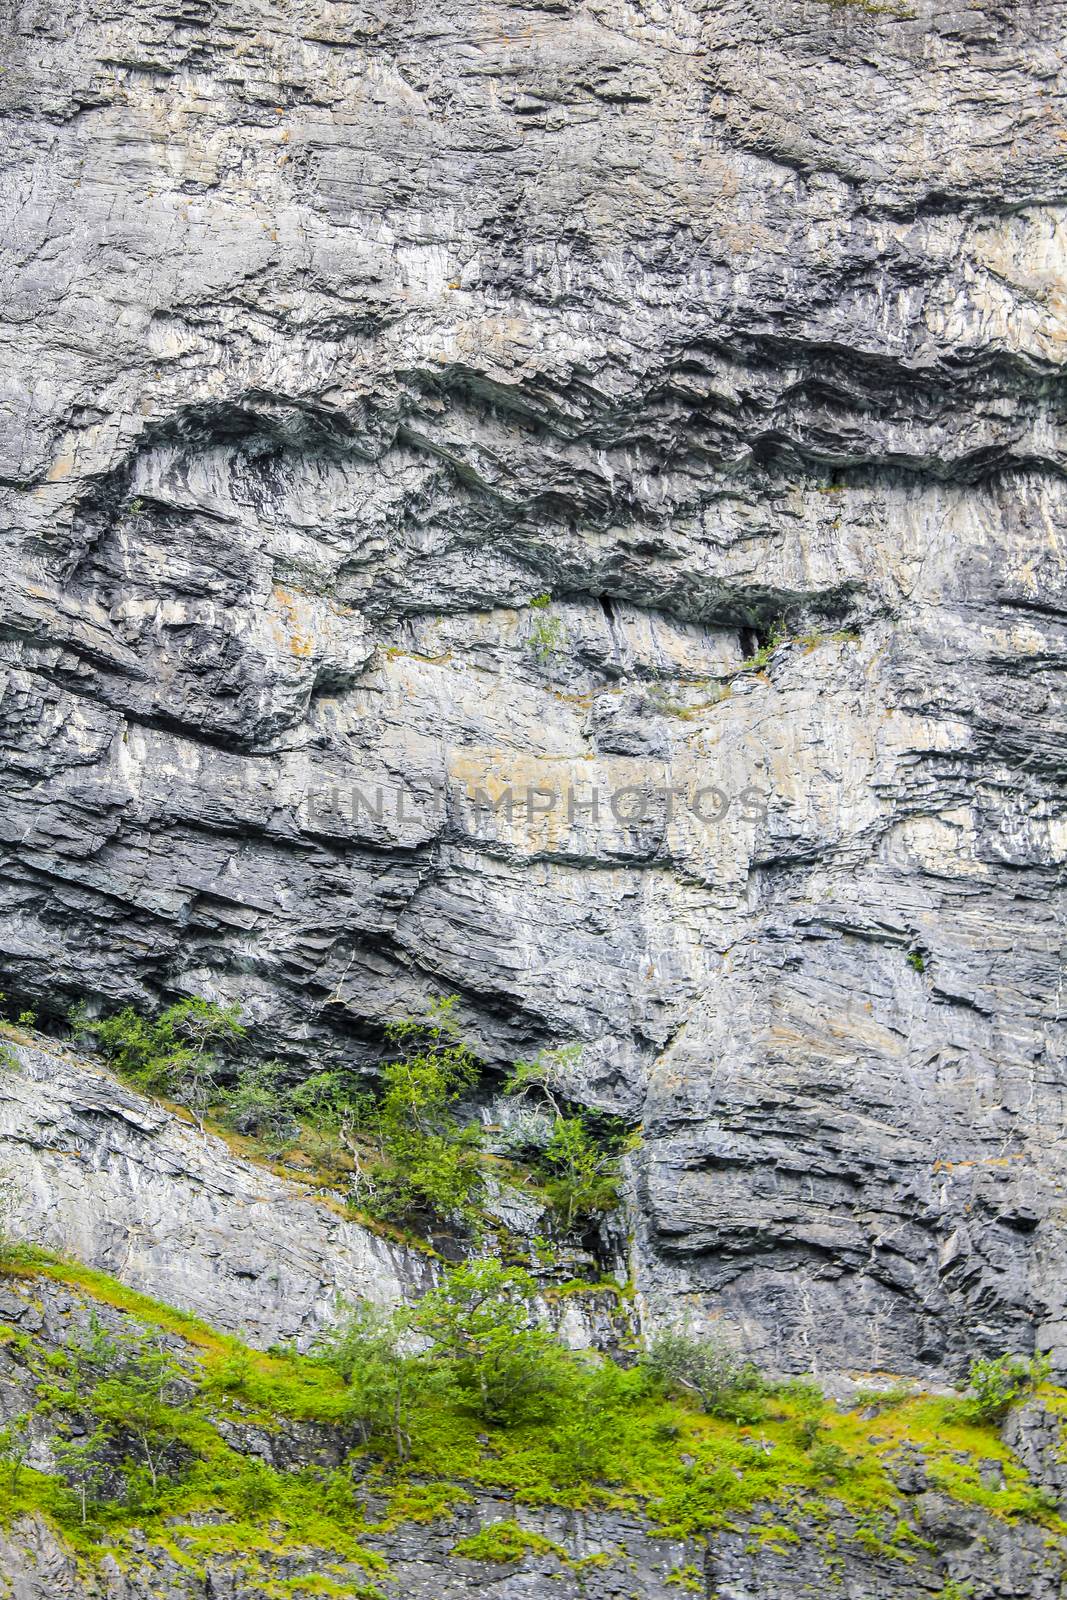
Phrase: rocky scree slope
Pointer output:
(336, 336)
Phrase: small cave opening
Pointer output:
(750, 641)
(332, 682)
(607, 607)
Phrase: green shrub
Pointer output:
(587, 1426)
(547, 635)
(779, 633)
(14, 1251)
(255, 1489)
(14, 1446)
(579, 1160)
(84, 1466)
(581, 1177)
(429, 1160)
(487, 1402)
(383, 1382)
(830, 1461)
(689, 1578)
(725, 1384)
(143, 1401)
(412, 1157)
(478, 1322)
(408, 1155)
(503, 1542)
(174, 1055)
(260, 1104)
(999, 1383)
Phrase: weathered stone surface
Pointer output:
(104, 1176)
(336, 335)
(114, 1180)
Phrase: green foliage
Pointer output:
(260, 1104)
(175, 1054)
(122, 1403)
(547, 635)
(999, 1383)
(592, 1433)
(778, 635)
(15, 1253)
(383, 1382)
(428, 1161)
(588, 1425)
(14, 1446)
(724, 1384)
(548, 1075)
(409, 1156)
(916, 960)
(582, 1177)
(8, 1061)
(830, 1462)
(144, 1401)
(503, 1542)
(689, 1578)
(478, 1323)
(876, 1401)
(578, 1162)
(403, 1150)
(84, 1468)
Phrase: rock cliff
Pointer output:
(562, 504)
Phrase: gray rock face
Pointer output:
(104, 1176)
(335, 336)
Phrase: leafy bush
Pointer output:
(14, 1447)
(142, 1401)
(582, 1177)
(14, 1252)
(565, 1441)
(725, 1385)
(579, 1161)
(408, 1154)
(478, 1322)
(383, 1382)
(999, 1383)
(84, 1466)
(778, 634)
(429, 1161)
(173, 1055)
(587, 1431)
(260, 1104)
(547, 635)
(830, 1461)
(124, 1401)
